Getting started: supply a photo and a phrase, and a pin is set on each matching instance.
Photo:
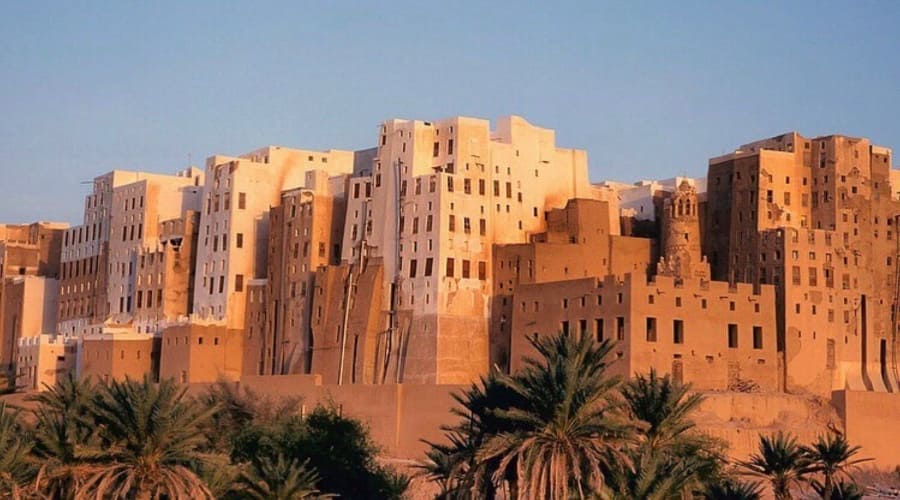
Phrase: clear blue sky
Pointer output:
(648, 89)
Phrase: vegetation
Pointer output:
(563, 427)
(781, 461)
(137, 439)
(833, 457)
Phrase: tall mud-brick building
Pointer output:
(817, 218)
(413, 300)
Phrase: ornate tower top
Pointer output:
(681, 255)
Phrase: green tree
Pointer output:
(15, 469)
(781, 461)
(280, 479)
(727, 488)
(668, 456)
(840, 490)
(833, 457)
(63, 436)
(455, 465)
(647, 475)
(567, 426)
(338, 448)
(150, 437)
(239, 408)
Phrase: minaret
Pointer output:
(681, 256)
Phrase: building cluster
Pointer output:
(443, 250)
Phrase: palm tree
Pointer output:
(839, 491)
(280, 479)
(732, 489)
(648, 475)
(450, 465)
(61, 435)
(781, 461)
(150, 435)
(664, 406)
(567, 425)
(668, 456)
(15, 469)
(454, 465)
(832, 456)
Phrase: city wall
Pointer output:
(402, 416)
(870, 420)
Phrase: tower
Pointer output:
(681, 256)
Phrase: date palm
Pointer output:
(451, 465)
(280, 479)
(62, 433)
(840, 490)
(648, 475)
(454, 464)
(732, 489)
(15, 470)
(150, 435)
(833, 457)
(567, 424)
(669, 456)
(781, 461)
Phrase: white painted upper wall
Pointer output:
(636, 200)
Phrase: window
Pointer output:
(651, 329)
(450, 267)
(482, 227)
(412, 268)
(757, 337)
(450, 147)
(620, 328)
(429, 263)
(732, 336)
(242, 201)
(564, 328)
(466, 269)
(437, 149)
(598, 329)
(482, 270)
(238, 282)
(481, 187)
(452, 223)
(239, 243)
(678, 331)
(467, 226)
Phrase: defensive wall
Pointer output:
(402, 416)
